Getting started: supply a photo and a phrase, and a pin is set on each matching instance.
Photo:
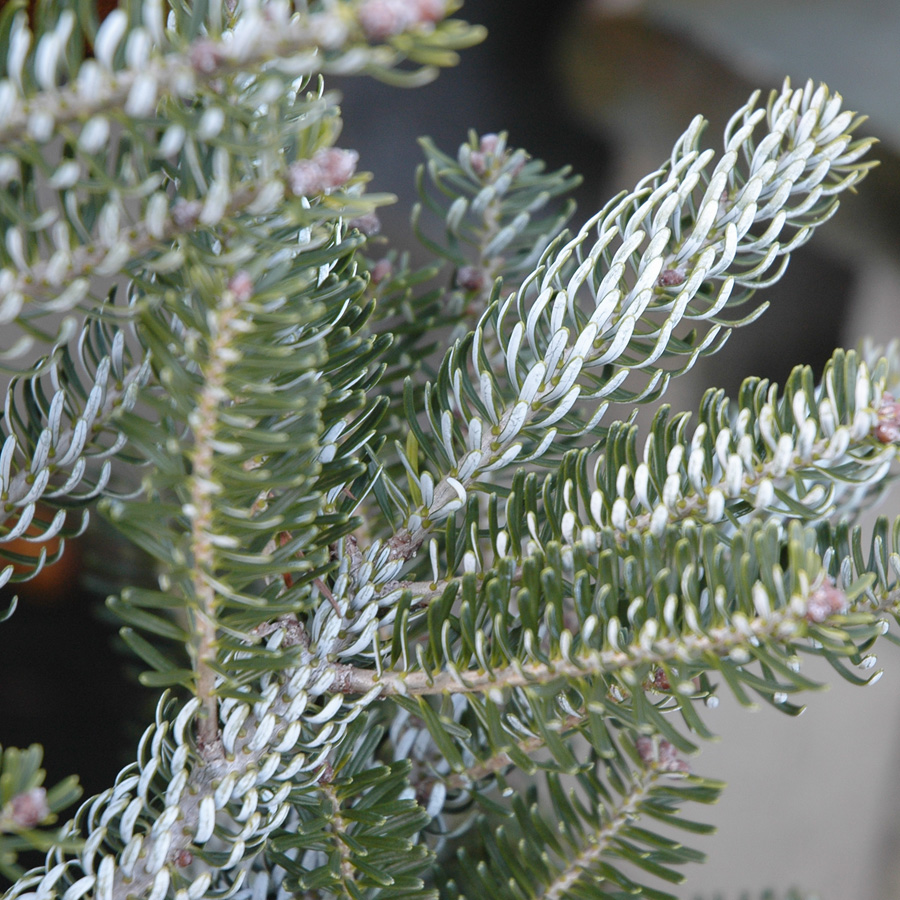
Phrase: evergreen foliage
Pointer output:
(417, 568)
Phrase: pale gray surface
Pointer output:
(852, 45)
(810, 801)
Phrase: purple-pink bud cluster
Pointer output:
(206, 56)
(327, 169)
(368, 223)
(186, 213)
(887, 429)
(381, 19)
(663, 756)
(491, 154)
(670, 277)
(825, 601)
(470, 278)
(241, 285)
(28, 809)
(381, 270)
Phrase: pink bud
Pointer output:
(492, 156)
(669, 760)
(430, 10)
(29, 809)
(489, 143)
(241, 285)
(479, 162)
(483, 159)
(327, 169)
(186, 213)
(825, 601)
(368, 224)
(304, 178)
(887, 430)
(337, 165)
(644, 746)
(670, 277)
(470, 278)
(663, 757)
(206, 56)
(381, 19)
(381, 270)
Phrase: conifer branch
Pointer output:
(340, 827)
(579, 866)
(291, 484)
(69, 445)
(159, 228)
(786, 625)
(553, 341)
(313, 42)
(500, 762)
(204, 490)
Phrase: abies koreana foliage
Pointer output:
(411, 549)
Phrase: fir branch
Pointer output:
(482, 423)
(170, 97)
(160, 227)
(339, 827)
(579, 867)
(204, 489)
(502, 761)
(60, 451)
(271, 747)
(192, 158)
(310, 42)
(806, 455)
(816, 605)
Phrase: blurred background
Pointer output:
(607, 86)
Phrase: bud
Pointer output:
(328, 168)
(241, 285)
(887, 428)
(381, 19)
(28, 809)
(206, 56)
(470, 278)
(429, 10)
(825, 601)
(368, 224)
(186, 213)
(489, 143)
(669, 760)
(663, 756)
(493, 156)
(671, 277)
(381, 270)
(337, 166)
(644, 746)
(483, 159)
